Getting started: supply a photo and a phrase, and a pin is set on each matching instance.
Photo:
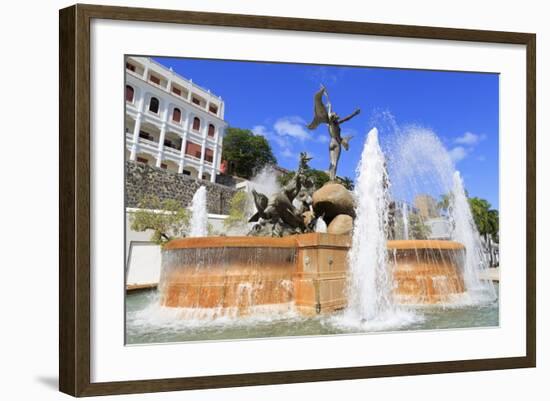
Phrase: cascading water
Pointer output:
(465, 232)
(370, 277)
(199, 217)
(420, 164)
(405, 213)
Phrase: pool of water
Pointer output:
(148, 322)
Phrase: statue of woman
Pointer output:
(333, 120)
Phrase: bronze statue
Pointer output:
(278, 215)
(333, 120)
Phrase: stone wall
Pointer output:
(143, 180)
(226, 180)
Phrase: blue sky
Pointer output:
(276, 100)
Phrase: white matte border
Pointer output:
(112, 361)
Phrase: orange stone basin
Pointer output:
(236, 275)
(426, 271)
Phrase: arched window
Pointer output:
(196, 124)
(176, 115)
(211, 130)
(154, 105)
(129, 94)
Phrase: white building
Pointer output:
(171, 122)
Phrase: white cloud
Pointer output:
(323, 139)
(470, 139)
(260, 130)
(289, 154)
(270, 136)
(293, 127)
(287, 133)
(458, 153)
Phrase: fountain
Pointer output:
(320, 226)
(199, 217)
(466, 233)
(427, 272)
(370, 279)
(221, 276)
(405, 214)
(292, 261)
(421, 164)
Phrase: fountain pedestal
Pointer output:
(321, 270)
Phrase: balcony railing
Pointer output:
(147, 143)
(172, 150)
(135, 73)
(164, 87)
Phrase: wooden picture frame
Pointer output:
(74, 199)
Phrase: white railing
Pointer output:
(134, 73)
(148, 144)
(187, 100)
(172, 151)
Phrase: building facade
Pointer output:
(427, 206)
(171, 122)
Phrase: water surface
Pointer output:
(147, 322)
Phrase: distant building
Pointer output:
(426, 206)
(171, 122)
(440, 228)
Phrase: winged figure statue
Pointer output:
(324, 114)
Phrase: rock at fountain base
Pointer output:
(341, 225)
(331, 200)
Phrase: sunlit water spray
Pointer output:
(465, 232)
(405, 213)
(320, 226)
(420, 164)
(199, 217)
(266, 181)
(370, 281)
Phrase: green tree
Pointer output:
(248, 153)
(444, 203)
(487, 222)
(493, 225)
(319, 178)
(417, 228)
(167, 219)
(480, 212)
(347, 182)
(237, 211)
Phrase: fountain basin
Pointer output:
(426, 271)
(307, 272)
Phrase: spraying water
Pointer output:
(420, 165)
(370, 278)
(199, 217)
(320, 226)
(405, 212)
(266, 181)
(465, 232)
